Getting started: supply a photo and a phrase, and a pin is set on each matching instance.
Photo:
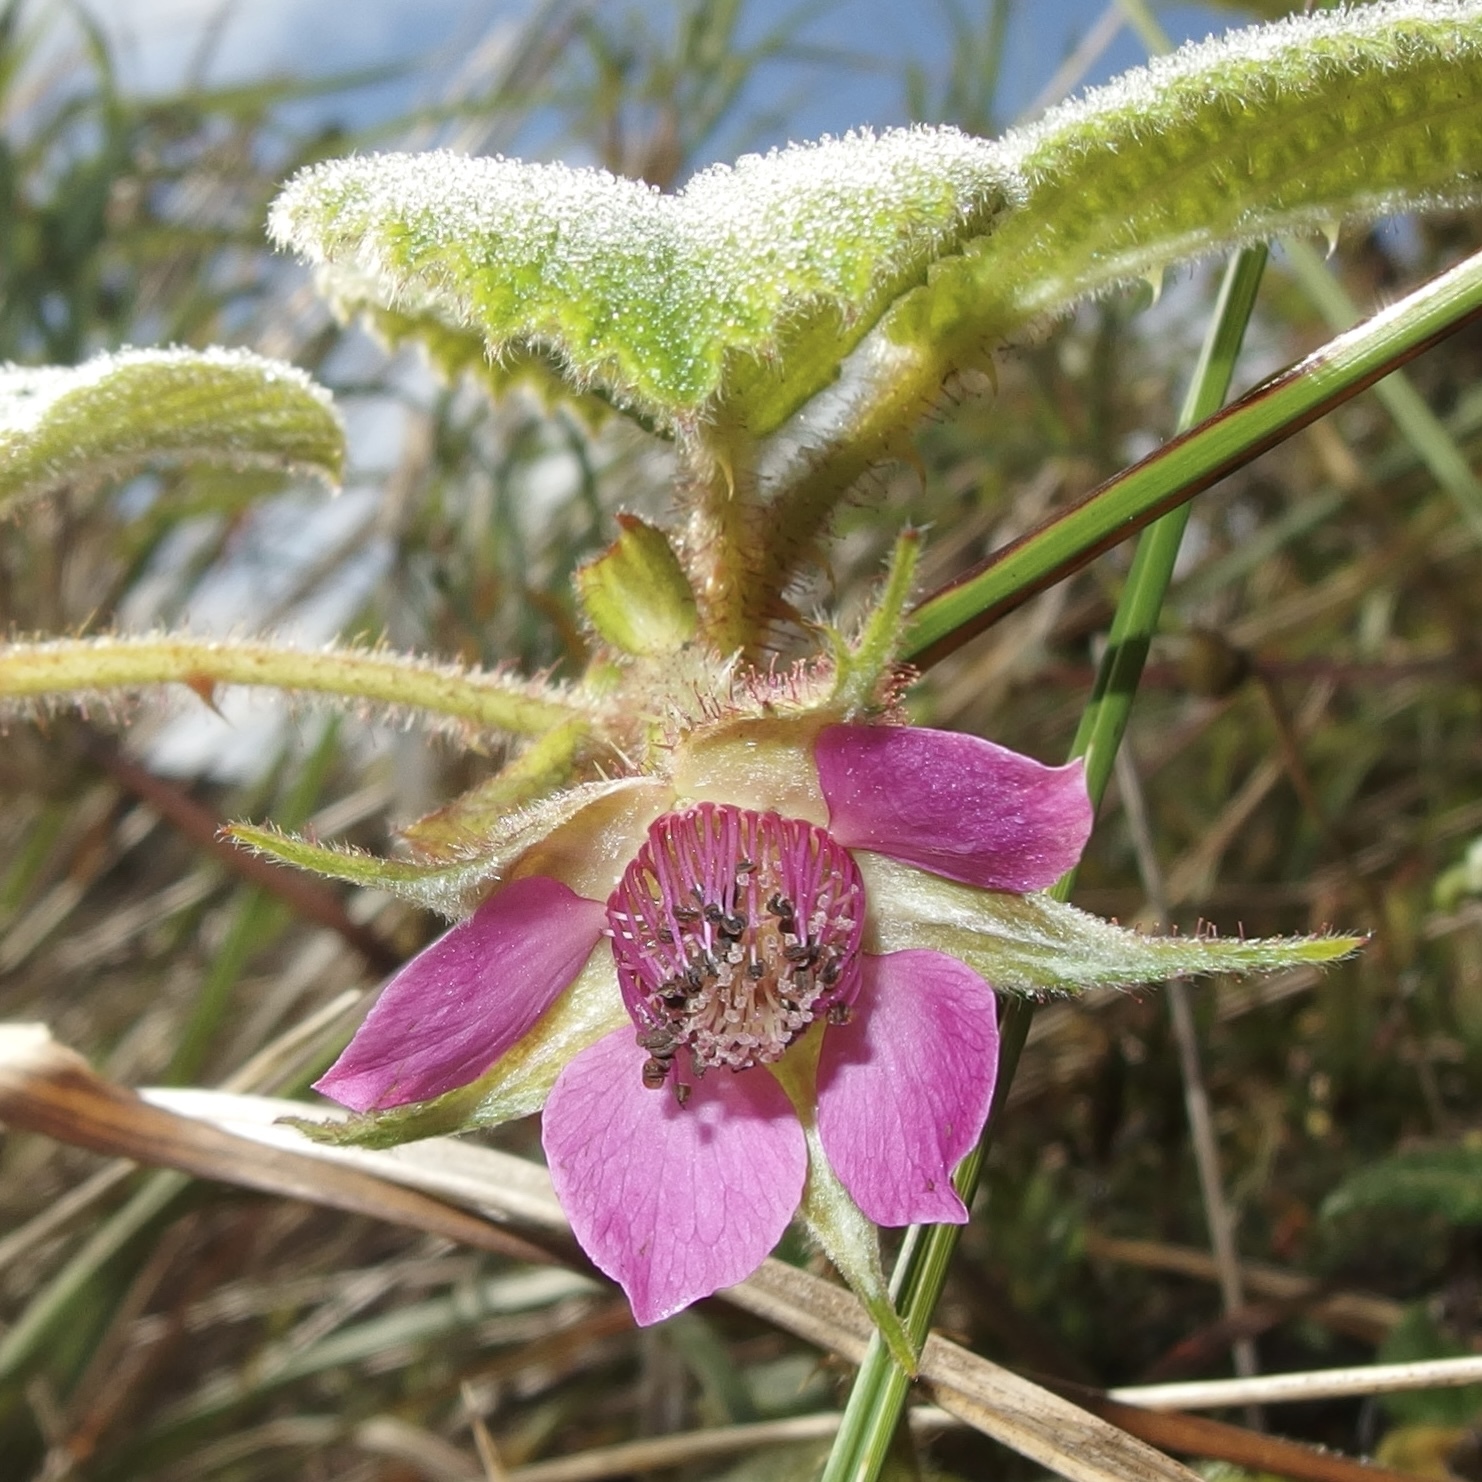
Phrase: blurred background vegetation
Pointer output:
(1306, 751)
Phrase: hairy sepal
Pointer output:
(865, 672)
(119, 414)
(452, 886)
(636, 595)
(1034, 944)
(458, 829)
(516, 1085)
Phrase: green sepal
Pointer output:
(516, 1085)
(1034, 944)
(865, 669)
(469, 703)
(836, 1222)
(852, 1243)
(451, 886)
(119, 414)
(546, 765)
(636, 595)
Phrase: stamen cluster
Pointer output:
(733, 931)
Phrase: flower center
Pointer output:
(733, 931)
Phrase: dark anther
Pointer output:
(655, 1073)
(714, 914)
(675, 990)
(734, 926)
(833, 970)
(756, 970)
(782, 908)
(840, 1013)
(801, 952)
(694, 977)
(666, 936)
(686, 913)
(745, 866)
(681, 1092)
(660, 1041)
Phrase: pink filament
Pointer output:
(733, 931)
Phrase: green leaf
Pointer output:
(1442, 1181)
(782, 260)
(1301, 125)
(1342, 116)
(636, 595)
(1416, 1338)
(1036, 944)
(119, 414)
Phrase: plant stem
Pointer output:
(63, 669)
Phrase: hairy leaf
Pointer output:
(455, 352)
(118, 414)
(1302, 125)
(786, 258)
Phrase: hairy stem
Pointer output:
(83, 670)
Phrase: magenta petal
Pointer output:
(956, 805)
(457, 1006)
(904, 1087)
(671, 1202)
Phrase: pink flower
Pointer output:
(739, 938)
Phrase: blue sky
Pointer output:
(160, 39)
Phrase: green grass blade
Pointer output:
(1104, 720)
(1193, 462)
